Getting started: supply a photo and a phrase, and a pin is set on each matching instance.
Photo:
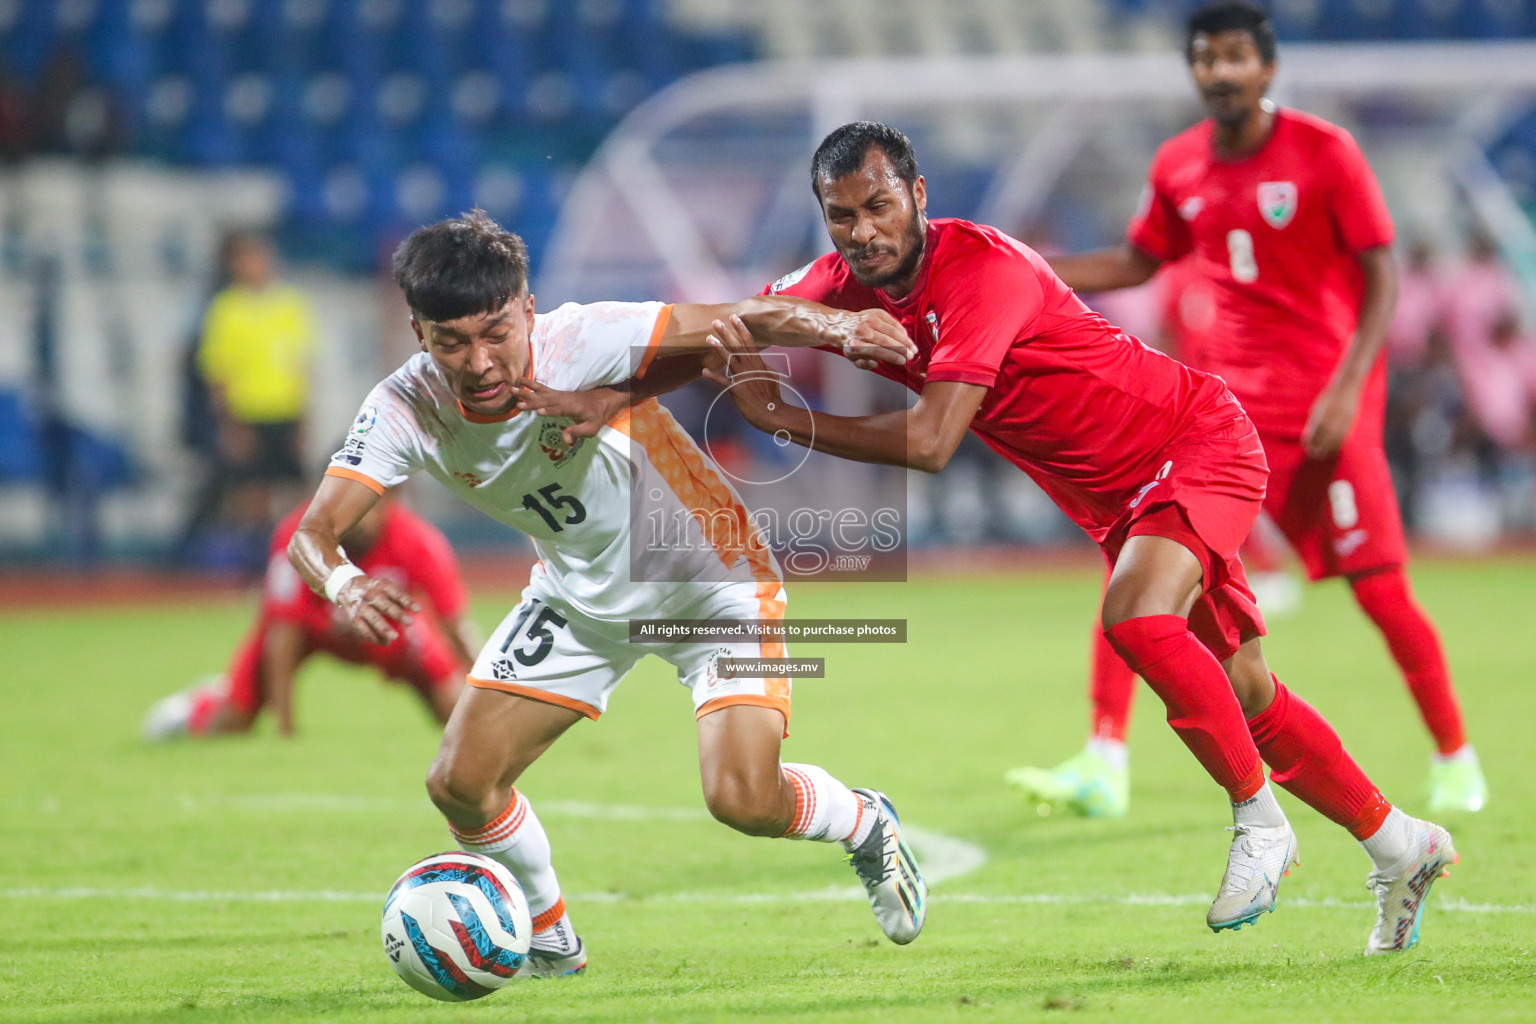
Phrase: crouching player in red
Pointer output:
(431, 656)
(1155, 461)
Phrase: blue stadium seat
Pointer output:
(21, 458)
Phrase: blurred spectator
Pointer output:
(1498, 377)
(1475, 293)
(257, 340)
(1419, 309)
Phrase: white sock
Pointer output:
(826, 810)
(1393, 841)
(1261, 810)
(517, 839)
(1463, 753)
(1114, 752)
(558, 937)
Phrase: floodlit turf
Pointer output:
(242, 880)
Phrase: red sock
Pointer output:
(1307, 758)
(1111, 690)
(1202, 708)
(1415, 645)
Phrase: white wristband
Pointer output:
(340, 576)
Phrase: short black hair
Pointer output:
(1232, 16)
(843, 152)
(460, 267)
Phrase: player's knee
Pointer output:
(1251, 681)
(458, 794)
(746, 803)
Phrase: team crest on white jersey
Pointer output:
(552, 443)
(790, 279)
(1277, 202)
(1190, 208)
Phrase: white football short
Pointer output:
(547, 650)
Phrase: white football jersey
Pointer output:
(636, 522)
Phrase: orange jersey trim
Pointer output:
(362, 478)
(779, 704)
(654, 345)
(699, 486)
(543, 696)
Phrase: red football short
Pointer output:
(422, 658)
(1206, 496)
(1340, 514)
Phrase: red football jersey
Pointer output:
(410, 552)
(1277, 234)
(1079, 405)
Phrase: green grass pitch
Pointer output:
(242, 880)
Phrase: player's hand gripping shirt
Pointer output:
(627, 524)
(1082, 407)
(1278, 235)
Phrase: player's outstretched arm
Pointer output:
(281, 653)
(1105, 270)
(871, 334)
(370, 604)
(1333, 414)
(923, 437)
(867, 337)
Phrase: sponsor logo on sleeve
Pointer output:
(790, 279)
(357, 438)
(1277, 202)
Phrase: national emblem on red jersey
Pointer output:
(1277, 202)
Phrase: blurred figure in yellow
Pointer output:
(258, 337)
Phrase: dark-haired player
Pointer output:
(430, 656)
(451, 411)
(1282, 219)
(1155, 461)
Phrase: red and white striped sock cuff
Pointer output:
(499, 831)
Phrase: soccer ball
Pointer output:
(456, 926)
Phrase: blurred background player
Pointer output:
(257, 344)
(431, 655)
(1281, 214)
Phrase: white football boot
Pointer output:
(556, 959)
(885, 864)
(1402, 889)
(1259, 858)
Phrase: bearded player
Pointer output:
(431, 656)
(1285, 224)
(451, 411)
(1155, 461)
